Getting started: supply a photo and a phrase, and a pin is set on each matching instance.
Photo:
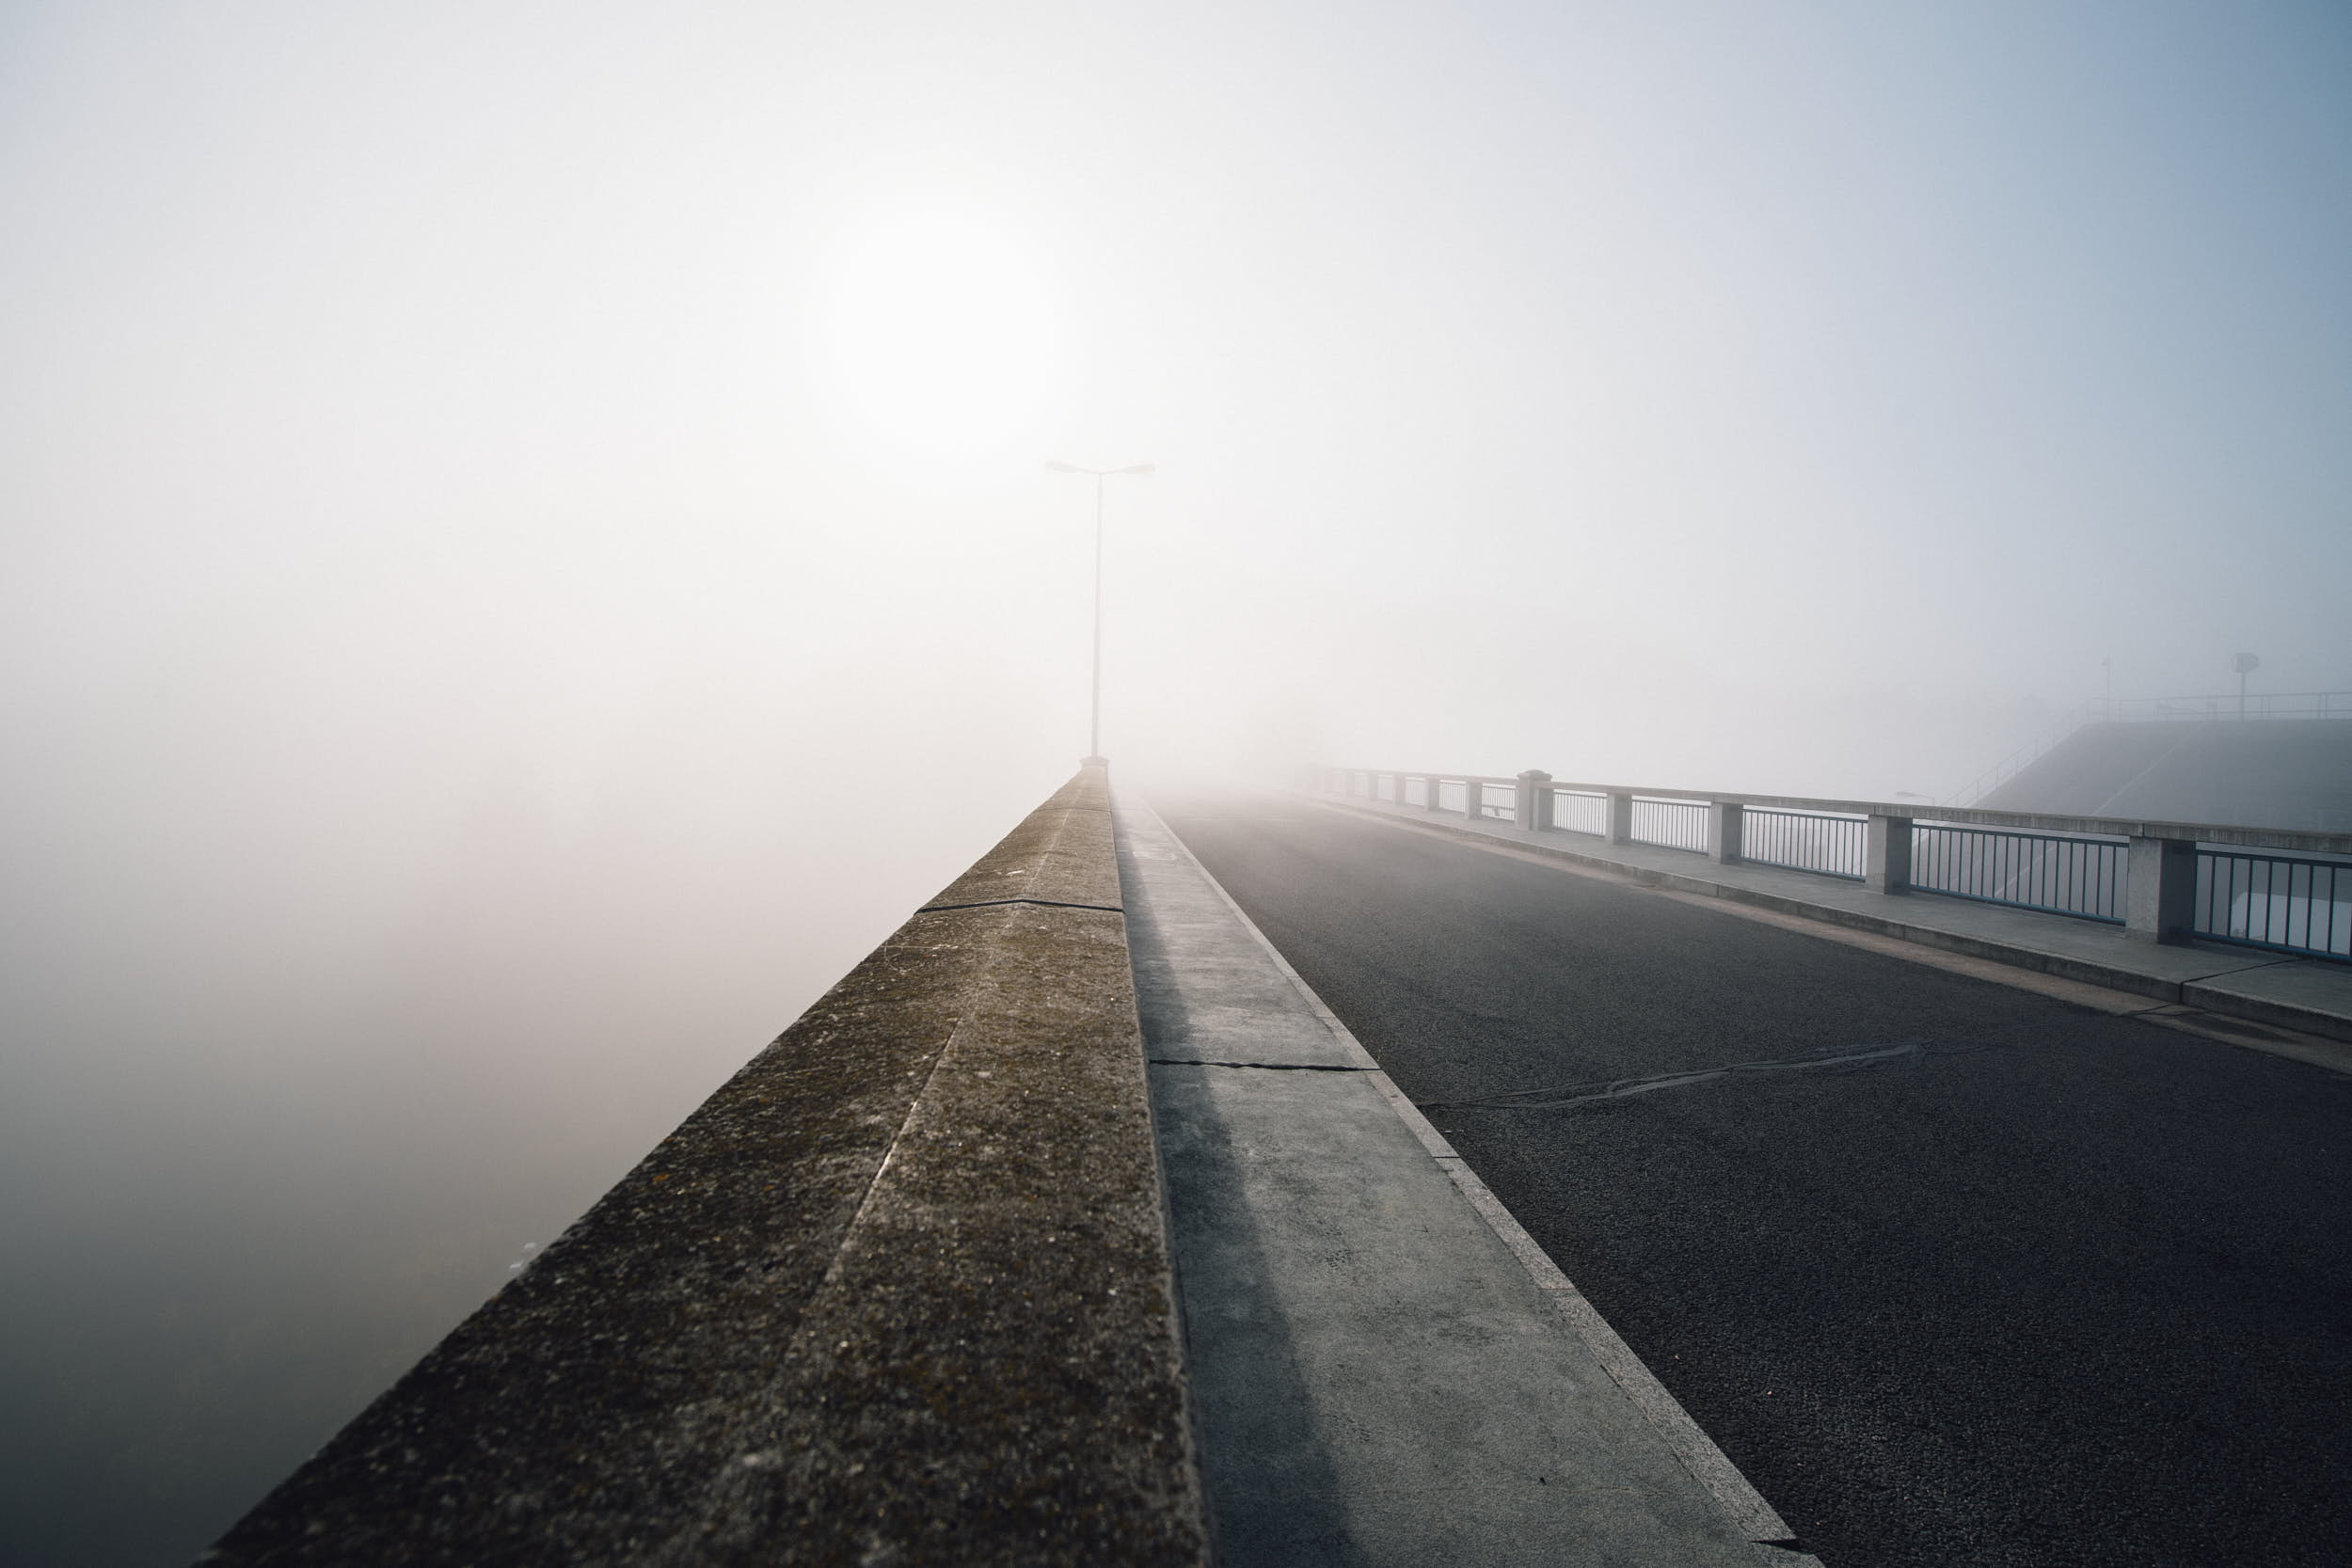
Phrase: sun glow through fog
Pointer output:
(940, 344)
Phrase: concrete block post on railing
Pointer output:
(1531, 802)
(1432, 798)
(1620, 817)
(1723, 839)
(2160, 889)
(1886, 854)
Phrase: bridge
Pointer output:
(1435, 1167)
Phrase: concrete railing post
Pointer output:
(2160, 891)
(1620, 817)
(1887, 854)
(1531, 802)
(1433, 797)
(1723, 841)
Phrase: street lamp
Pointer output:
(1094, 734)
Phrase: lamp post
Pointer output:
(1094, 734)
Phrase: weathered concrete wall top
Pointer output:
(898, 1293)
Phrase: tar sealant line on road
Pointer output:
(1653, 1409)
(1562, 1098)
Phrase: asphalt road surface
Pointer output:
(2026, 1284)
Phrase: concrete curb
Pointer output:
(1706, 1464)
(899, 1291)
(2203, 995)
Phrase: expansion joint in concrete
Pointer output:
(1040, 903)
(1261, 1067)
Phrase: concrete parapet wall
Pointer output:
(898, 1293)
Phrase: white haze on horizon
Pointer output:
(525, 548)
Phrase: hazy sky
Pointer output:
(524, 545)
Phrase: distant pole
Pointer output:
(1094, 728)
(1094, 720)
(2246, 664)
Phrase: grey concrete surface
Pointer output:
(898, 1293)
(2301, 993)
(1378, 1377)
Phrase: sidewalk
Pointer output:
(2310, 994)
(1385, 1368)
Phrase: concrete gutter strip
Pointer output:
(898, 1293)
(2265, 988)
(1387, 1369)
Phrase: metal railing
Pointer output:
(1581, 811)
(2282, 890)
(2282, 902)
(1670, 824)
(1806, 841)
(2229, 706)
(2059, 874)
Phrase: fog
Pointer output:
(525, 546)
